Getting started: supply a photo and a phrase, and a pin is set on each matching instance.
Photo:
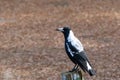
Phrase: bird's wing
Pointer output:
(83, 61)
(75, 45)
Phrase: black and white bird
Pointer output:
(75, 51)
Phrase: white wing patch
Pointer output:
(88, 66)
(69, 50)
(75, 42)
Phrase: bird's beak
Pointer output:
(60, 29)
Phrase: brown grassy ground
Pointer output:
(31, 49)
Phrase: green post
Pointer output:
(76, 75)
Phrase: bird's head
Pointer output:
(64, 30)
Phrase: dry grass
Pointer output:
(31, 49)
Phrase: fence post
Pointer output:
(76, 75)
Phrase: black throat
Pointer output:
(66, 34)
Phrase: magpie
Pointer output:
(75, 51)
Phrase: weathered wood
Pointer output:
(76, 75)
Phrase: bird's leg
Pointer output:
(74, 68)
(77, 67)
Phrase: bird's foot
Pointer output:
(75, 69)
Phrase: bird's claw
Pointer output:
(74, 70)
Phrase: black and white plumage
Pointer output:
(75, 51)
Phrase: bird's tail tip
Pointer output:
(92, 72)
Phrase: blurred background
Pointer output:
(31, 49)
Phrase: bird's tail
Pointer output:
(92, 72)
